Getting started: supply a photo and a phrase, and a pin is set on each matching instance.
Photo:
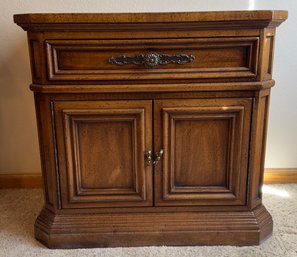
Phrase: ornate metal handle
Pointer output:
(148, 158)
(151, 60)
(158, 156)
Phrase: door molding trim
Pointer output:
(34, 180)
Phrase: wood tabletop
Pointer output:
(215, 16)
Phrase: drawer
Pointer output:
(192, 58)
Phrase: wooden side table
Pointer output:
(152, 126)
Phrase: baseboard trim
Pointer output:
(34, 180)
(280, 176)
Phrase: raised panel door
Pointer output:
(101, 149)
(206, 144)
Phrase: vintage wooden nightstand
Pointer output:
(152, 126)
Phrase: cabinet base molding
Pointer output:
(145, 229)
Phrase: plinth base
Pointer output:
(147, 229)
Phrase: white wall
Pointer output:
(18, 133)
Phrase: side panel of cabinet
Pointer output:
(206, 145)
(101, 149)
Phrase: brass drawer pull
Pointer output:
(151, 60)
(158, 156)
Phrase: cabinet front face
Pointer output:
(206, 144)
(101, 147)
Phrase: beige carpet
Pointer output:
(19, 208)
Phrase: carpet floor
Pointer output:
(19, 208)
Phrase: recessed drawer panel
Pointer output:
(152, 59)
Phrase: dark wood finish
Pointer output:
(98, 122)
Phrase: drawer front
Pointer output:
(194, 58)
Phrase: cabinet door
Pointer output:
(206, 144)
(101, 147)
